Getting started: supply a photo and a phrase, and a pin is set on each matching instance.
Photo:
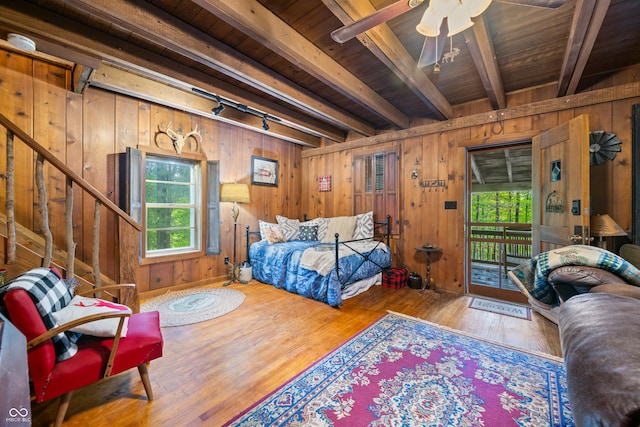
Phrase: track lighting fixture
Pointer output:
(217, 110)
(240, 107)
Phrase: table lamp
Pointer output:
(236, 193)
(605, 226)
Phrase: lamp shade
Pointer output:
(235, 193)
(605, 226)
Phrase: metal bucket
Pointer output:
(246, 273)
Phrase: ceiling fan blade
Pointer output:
(432, 51)
(548, 4)
(349, 31)
(429, 54)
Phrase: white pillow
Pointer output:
(290, 227)
(265, 229)
(80, 307)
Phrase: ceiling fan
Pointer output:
(454, 15)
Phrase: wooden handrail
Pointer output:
(58, 164)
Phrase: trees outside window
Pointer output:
(173, 206)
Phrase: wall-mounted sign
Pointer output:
(554, 203)
(324, 183)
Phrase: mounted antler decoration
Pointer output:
(178, 139)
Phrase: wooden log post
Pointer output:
(71, 245)
(47, 256)
(96, 245)
(11, 216)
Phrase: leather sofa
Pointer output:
(600, 340)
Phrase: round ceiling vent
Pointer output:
(21, 42)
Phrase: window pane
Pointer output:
(158, 192)
(169, 217)
(172, 206)
(168, 170)
(169, 239)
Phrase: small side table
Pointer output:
(428, 252)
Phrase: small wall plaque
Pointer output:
(324, 184)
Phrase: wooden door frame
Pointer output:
(496, 293)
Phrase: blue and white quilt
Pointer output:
(308, 268)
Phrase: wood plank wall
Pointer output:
(442, 156)
(89, 131)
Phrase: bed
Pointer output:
(311, 259)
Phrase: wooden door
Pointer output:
(560, 179)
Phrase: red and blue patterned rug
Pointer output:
(402, 371)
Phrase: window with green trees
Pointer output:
(173, 206)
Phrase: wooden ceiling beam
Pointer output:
(476, 170)
(484, 56)
(162, 29)
(255, 20)
(587, 20)
(383, 43)
(67, 41)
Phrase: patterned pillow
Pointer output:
(308, 232)
(265, 227)
(322, 223)
(82, 306)
(275, 234)
(290, 227)
(364, 226)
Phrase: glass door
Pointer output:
(499, 202)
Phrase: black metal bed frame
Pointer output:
(377, 225)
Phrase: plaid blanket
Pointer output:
(531, 275)
(49, 293)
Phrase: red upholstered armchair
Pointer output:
(96, 357)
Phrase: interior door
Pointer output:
(560, 179)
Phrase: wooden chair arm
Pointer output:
(128, 290)
(67, 326)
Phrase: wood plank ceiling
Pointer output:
(277, 56)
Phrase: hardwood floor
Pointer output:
(213, 370)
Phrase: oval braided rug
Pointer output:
(193, 305)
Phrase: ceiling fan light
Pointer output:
(476, 7)
(458, 20)
(429, 25)
(443, 8)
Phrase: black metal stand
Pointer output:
(234, 265)
(428, 251)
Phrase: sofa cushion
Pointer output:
(601, 351)
(618, 289)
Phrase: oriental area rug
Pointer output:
(403, 371)
(193, 305)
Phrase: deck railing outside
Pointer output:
(506, 244)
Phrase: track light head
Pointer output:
(218, 109)
(265, 125)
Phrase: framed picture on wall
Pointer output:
(264, 171)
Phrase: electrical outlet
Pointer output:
(226, 260)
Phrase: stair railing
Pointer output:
(127, 229)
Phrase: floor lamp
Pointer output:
(236, 193)
(605, 226)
